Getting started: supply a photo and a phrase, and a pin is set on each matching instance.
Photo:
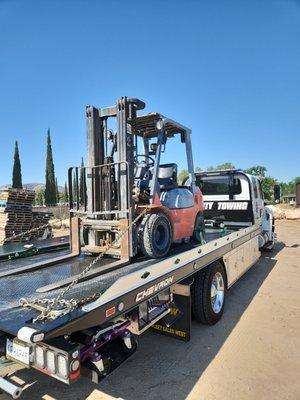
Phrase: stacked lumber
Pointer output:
(40, 218)
(16, 215)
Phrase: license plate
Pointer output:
(18, 351)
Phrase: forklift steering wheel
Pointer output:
(146, 157)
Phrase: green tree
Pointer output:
(226, 165)
(82, 185)
(74, 188)
(267, 182)
(39, 196)
(50, 189)
(66, 194)
(257, 170)
(57, 191)
(287, 188)
(210, 168)
(17, 175)
(182, 174)
(198, 169)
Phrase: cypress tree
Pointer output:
(74, 188)
(82, 186)
(50, 189)
(66, 194)
(57, 191)
(17, 175)
(39, 197)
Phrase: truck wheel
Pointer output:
(208, 294)
(199, 228)
(269, 248)
(155, 235)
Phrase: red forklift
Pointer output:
(124, 177)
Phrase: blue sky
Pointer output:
(228, 69)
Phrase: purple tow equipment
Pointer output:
(101, 340)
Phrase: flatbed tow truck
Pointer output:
(80, 314)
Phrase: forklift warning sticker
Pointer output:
(226, 205)
(154, 288)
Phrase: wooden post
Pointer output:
(125, 246)
(75, 235)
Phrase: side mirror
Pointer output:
(277, 193)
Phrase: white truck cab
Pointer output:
(236, 198)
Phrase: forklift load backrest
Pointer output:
(167, 176)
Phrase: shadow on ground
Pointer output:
(163, 368)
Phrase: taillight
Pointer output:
(50, 361)
(39, 357)
(62, 363)
(62, 366)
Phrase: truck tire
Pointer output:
(208, 294)
(155, 236)
(199, 228)
(269, 248)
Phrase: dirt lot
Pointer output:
(252, 353)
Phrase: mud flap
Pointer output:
(177, 323)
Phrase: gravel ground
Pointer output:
(252, 353)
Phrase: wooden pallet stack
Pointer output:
(40, 218)
(16, 215)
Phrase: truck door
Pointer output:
(257, 199)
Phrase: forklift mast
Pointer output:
(98, 135)
(106, 199)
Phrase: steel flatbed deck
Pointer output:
(128, 285)
(42, 245)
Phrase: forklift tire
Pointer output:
(208, 294)
(199, 228)
(155, 235)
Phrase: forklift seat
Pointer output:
(167, 176)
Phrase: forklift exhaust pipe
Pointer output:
(13, 390)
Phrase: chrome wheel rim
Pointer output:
(217, 292)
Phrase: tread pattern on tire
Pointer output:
(200, 292)
(146, 227)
